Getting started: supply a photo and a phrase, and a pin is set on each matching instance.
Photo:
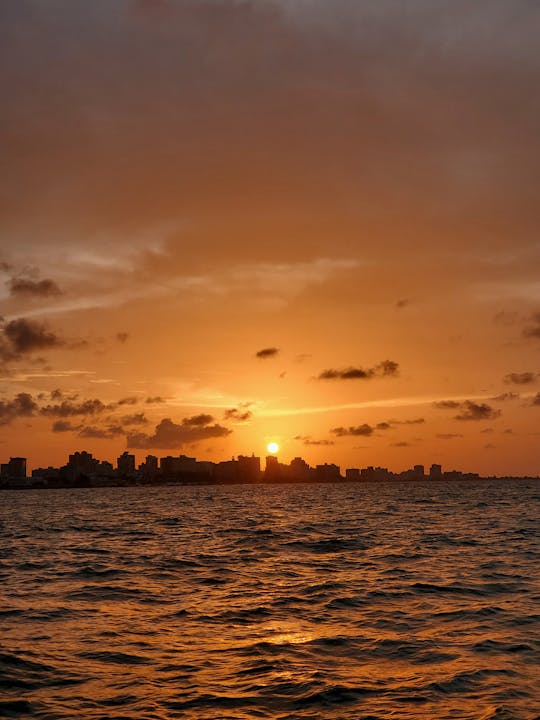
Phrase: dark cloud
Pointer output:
(135, 419)
(533, 329)
(240, 414)
(22, 405)
(154, 400)
(364, 430)
(523, 378)
(122, 337)
(308, 440)
(469, 410)
(24, 336)
(400, 304)
(448, 436)
(36, 288)
(413, 421)
(477, 411)
(72, 408)
(266, 353)
(173, 435)
(401, 444)
(60, 426)
(536, 399)
(505, 397)
(383, 426)
(446, 405)
(386, 368)
(102, 433)
(128, 401)
(198, 420)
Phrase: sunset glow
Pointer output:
(335, 246)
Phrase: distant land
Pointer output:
(83, 470)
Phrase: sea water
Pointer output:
(327, 601)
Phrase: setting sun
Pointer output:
(272, 447)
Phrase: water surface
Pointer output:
(364, 602)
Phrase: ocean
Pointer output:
(325, 601)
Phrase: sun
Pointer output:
(272, 447)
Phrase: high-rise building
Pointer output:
(249, 468)
(15, 469)
(126, 464)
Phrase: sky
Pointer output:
(228, 223)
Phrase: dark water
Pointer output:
(319, 601)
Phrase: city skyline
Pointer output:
(83, 467)
(215, 236)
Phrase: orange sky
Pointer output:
(187, 183)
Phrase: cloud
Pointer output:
(386, 368)
(135, 419)
(383, 426)
(22, 336)
(523, 378)
(400, 304)
(265, 353)
(198, 420)
(533, 330)
(60, 426)
(128, 401)
(401, 444)
(413, 421)
(240, 414)
(102, 433)
(307, 440)
(36, 288)
(173, 435)
(448, 436)
(122, 337)
(22, 405)
(364, 430)
(72, 408)
(154, 400)
(504, 397)
(477, 411)
(469, 410)
(446, 404)
(536, 399)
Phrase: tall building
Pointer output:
(126, 464)
(15, 469)
(435, 472)
(249, 468)
(149, 467)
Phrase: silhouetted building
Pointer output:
(226, 471)
(328, 473)
(272, 470)
(15, 469)
(249, 468)
(435, 472)
(149, 468)
(126, 464)
(418, 472)
(175, 465)
(352, 474)
(299, 470)
(80, 464)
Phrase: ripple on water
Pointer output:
(334, 602)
